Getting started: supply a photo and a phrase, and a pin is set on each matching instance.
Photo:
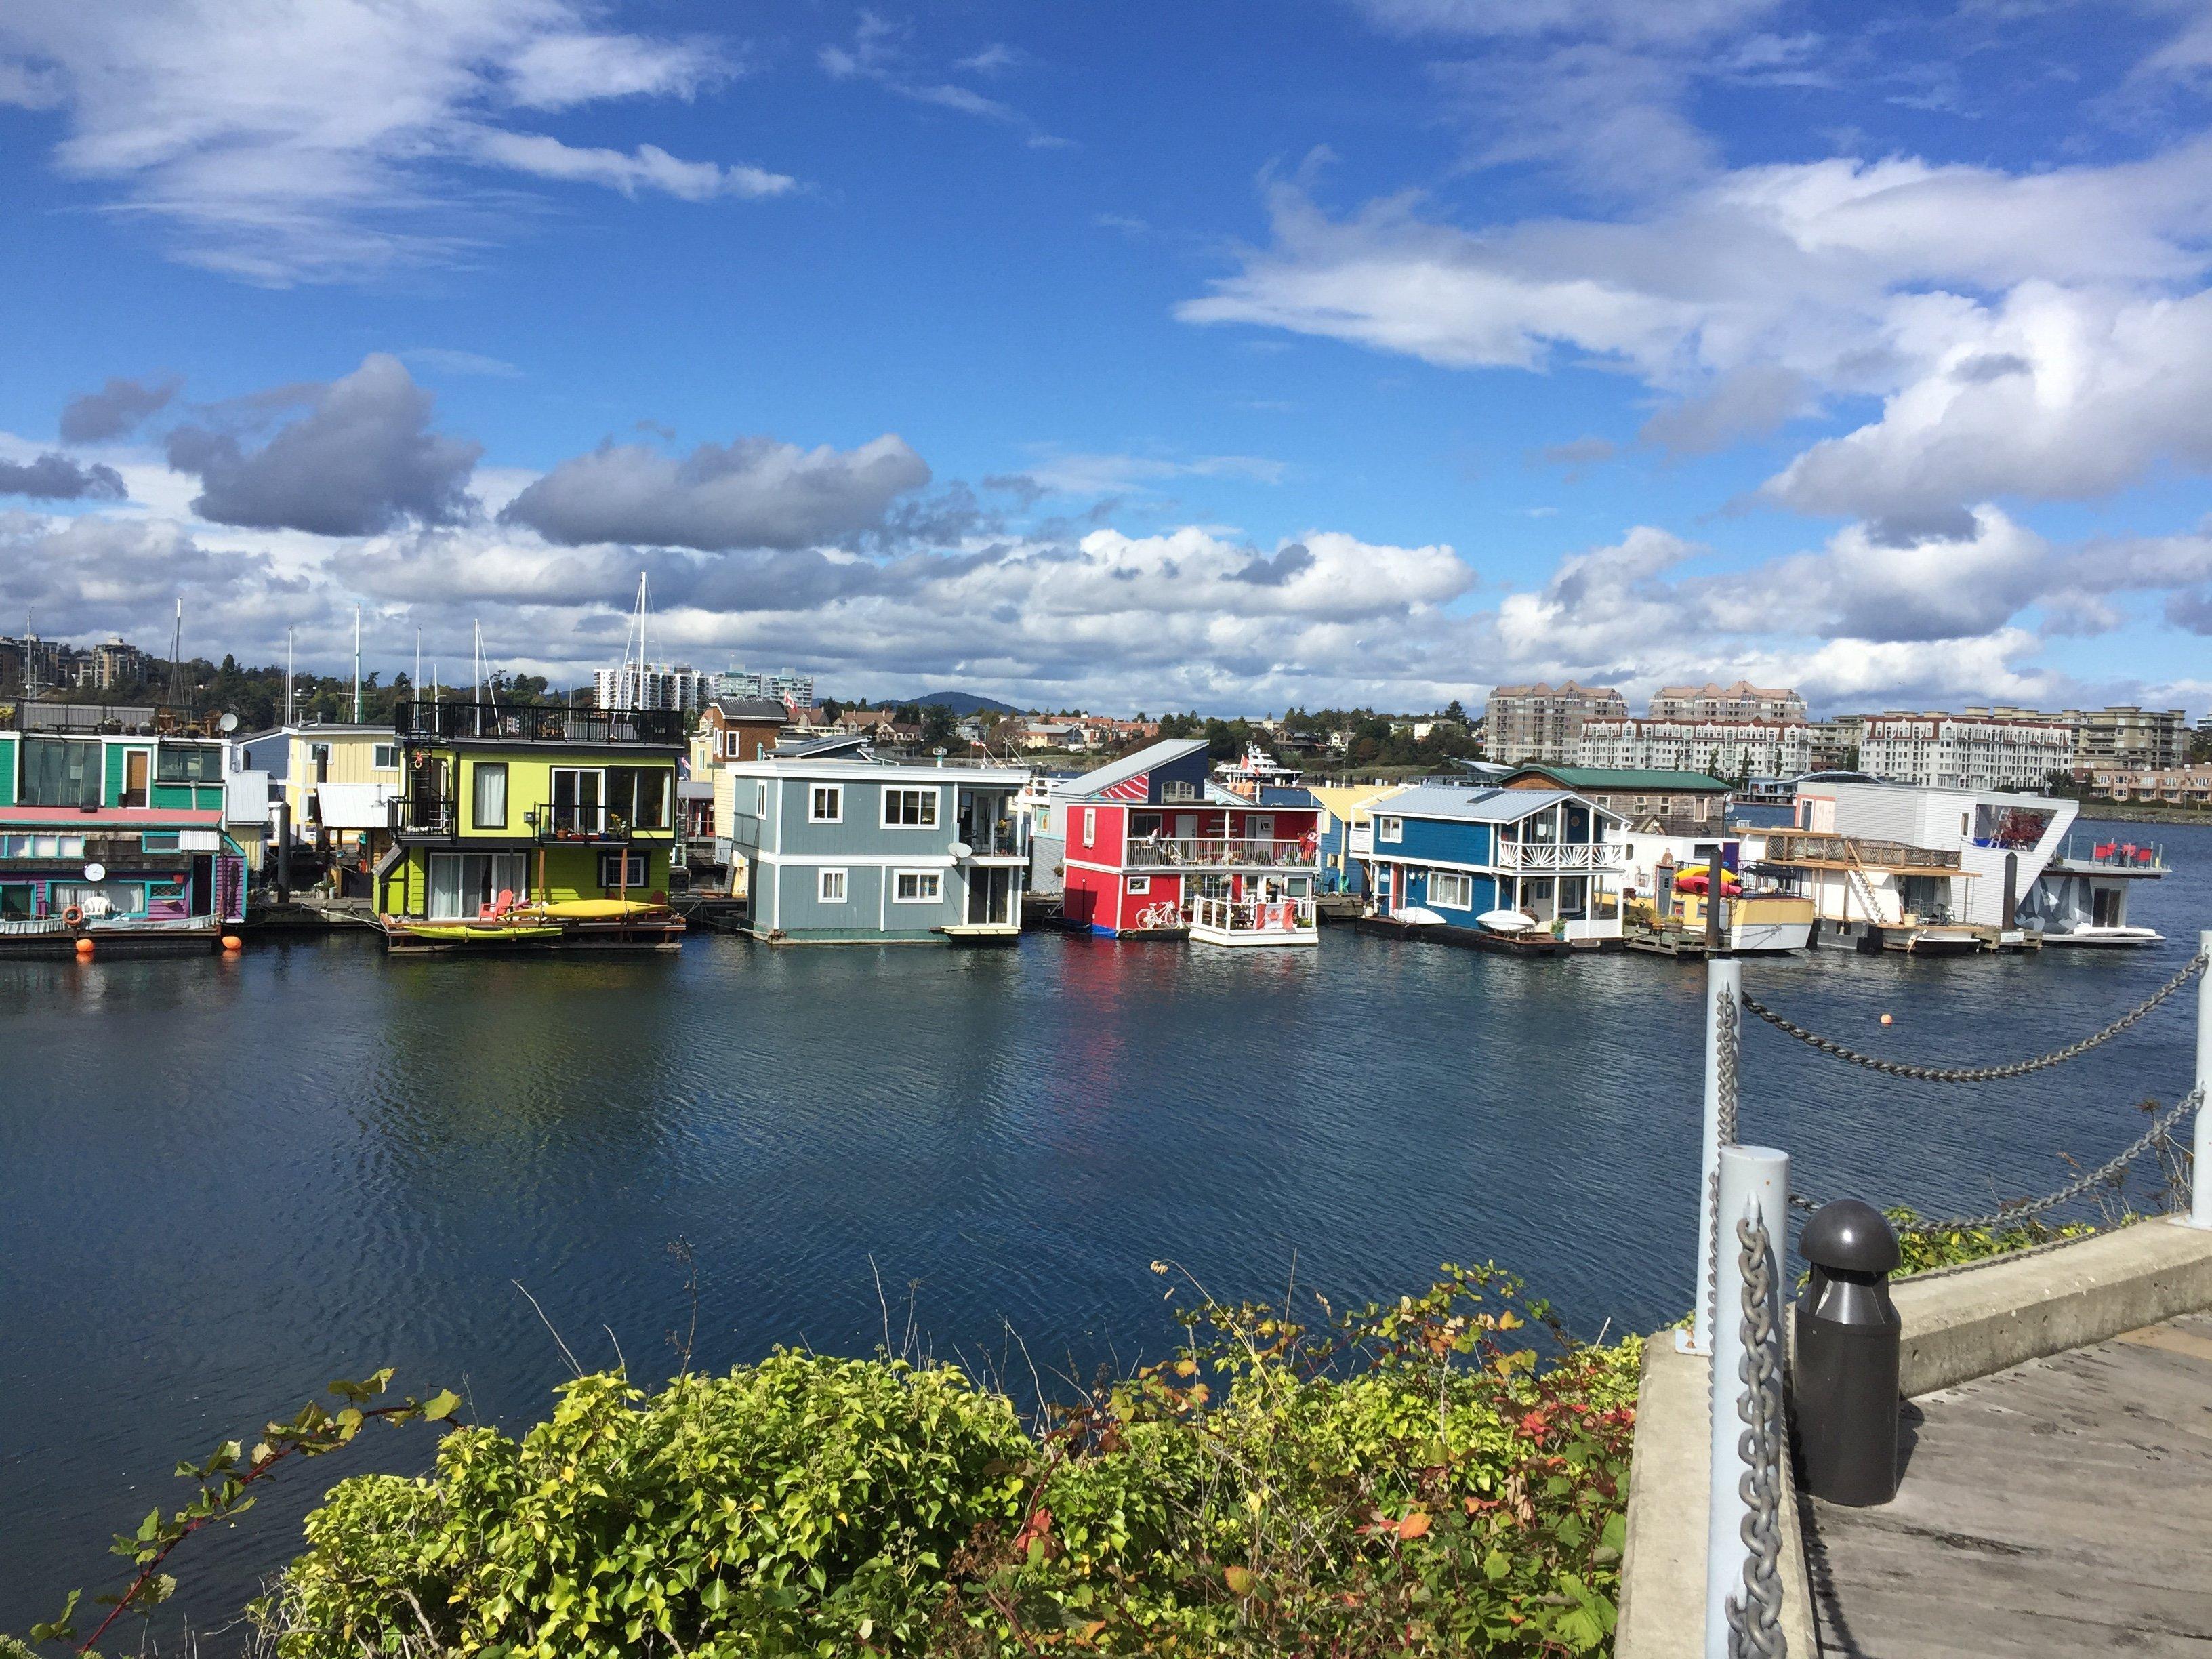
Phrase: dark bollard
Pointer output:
(1848, 1334)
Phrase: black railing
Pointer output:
(431, 722)
(579, 823)
(423, 815)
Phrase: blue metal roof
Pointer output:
(1475, 806)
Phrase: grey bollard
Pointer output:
(1848, 1335)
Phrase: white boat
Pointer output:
(1418, 916)
(2106, 938)
(1505, 921)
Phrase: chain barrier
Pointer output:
(1755, 1618)
(2008, 1214)
(2189, 970)
(1730, 1039)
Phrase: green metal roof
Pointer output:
(1624, 777)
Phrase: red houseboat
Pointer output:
(1156, 848)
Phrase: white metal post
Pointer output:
(1723, 984)
(1753, 1180)
(2200, 1184)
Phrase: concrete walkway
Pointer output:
(2061, 1507)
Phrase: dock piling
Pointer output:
(1723, 990)
(2200, 1183)
(1754, 1182)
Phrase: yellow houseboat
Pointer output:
(531, 828)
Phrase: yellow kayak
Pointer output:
(598, 909)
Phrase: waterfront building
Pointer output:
(651, 685)
(1836, 742)
(1681, 801)
(1711, 704)
(788, 687)
(735, 729)
(1154, 844)
(1552, 855)
(336, 782)
(2119, 735)
(1544, 723)
(841, 846)
(1345, 811)
(567, 811)
(1943, 750)
(2179, 786)
(1728, 747)
(115, 835)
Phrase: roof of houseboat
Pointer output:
(1131, 767)
(1648, 778)
(1479, 805)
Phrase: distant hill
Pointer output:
(961, 703)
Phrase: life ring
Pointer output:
(73, 915)
(418, 760)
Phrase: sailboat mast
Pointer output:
(356, 664)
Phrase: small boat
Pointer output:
(1415, 915)
(2106, 938)
(1505, 921)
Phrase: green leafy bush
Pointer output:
(1922, 1249)
(1410, 1478)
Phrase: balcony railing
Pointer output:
(439, 815)
(2090, 852)
(1221, 852)
(995, 838)
(434, 722)
(1569, 855)
(423, 815)
(1820, 848)
(574, 823)
(1252, 915)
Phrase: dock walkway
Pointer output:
(2061, 1507)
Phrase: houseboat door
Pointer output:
(990, 893)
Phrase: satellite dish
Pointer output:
(95, 871)
(960, 849)
(228, 724)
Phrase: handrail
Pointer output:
(1277, 853)
(538, 723)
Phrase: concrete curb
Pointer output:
(1993, 1316)
(1662, 1572)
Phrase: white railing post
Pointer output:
(1754, 1179)
(2200, 1182)
(1723, 985)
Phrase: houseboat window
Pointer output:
(1389, 828)
(386, 757)
(490, 801)
(1178, 791)
(826, 803)
(910, 809)
(318, 760)
(1140, 883)
(1298, 886)
(578, 794)
(42, 846)
(1452, 890)
(832, 887)
(1089, 826)
(15, 901)
(61, 772)
(638, 795)
(158, 841)
(918, 887)
(190, 763)
(614, 872)
(463, 883)
(99, 898)
(760, 799)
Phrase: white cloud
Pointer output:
(308, 140)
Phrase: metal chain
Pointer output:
(2007, 1214)
(1730, 1039)
(2190, 969)
(1755, 1618)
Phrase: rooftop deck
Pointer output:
(534, 723)
(1808, 849)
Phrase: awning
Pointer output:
(350, 805)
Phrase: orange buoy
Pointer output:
(1886, 1018)
(232, 942)
(84, 947)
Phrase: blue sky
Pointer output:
(1228, 355)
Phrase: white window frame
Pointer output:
(1388, 829)
(384, 757)
(760, 799)
(932, 880)
(828, 878)
(925, 798)
(1140, 883)
(1089, 826)
(1178, 789)
(644, 868)
(815, 793)
(1458, 883)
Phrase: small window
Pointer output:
(826, 803)
(622, 870)
(488, 806)
(386, 757)
(1089, 826)
(1389, 828)
(1140, 883)
(1178, 791)
(909, 809)
(760, 799)
(918, 887)
(830, 886)
(1450, 888)
(195, 763)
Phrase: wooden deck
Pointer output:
(2063, 1507)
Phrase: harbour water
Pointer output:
(224, 1183)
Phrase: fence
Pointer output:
(1737, 1319)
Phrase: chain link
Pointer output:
(2189, 970)
(2008, 1214)
(1728, 1038)
(1755, 1618)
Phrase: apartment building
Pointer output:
(2119, 737)
(1941, 750)
(1544, 723)
(1709, 704)
(651, 685)
(1725, 749)
(2179, 786)
(788, 687)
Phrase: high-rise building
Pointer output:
(1741, 702)
(1723, 748)
(651, 685)
(1944, 751)
(788, 687)
(116, 664)
(2118, 736)
(1544, 723)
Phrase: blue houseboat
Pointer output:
(1486, 865)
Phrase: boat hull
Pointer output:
(2106, 938)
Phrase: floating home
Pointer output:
(841, 846)
(1346, 810)
(1156, 846)
(1548, 856)
(2082, 897)
(112, 831)
(538, 827)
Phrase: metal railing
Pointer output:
(1252, 915)
(996, 838)
(1204, 852)
(432, 722)
(2112, 853)
(1815, 845)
